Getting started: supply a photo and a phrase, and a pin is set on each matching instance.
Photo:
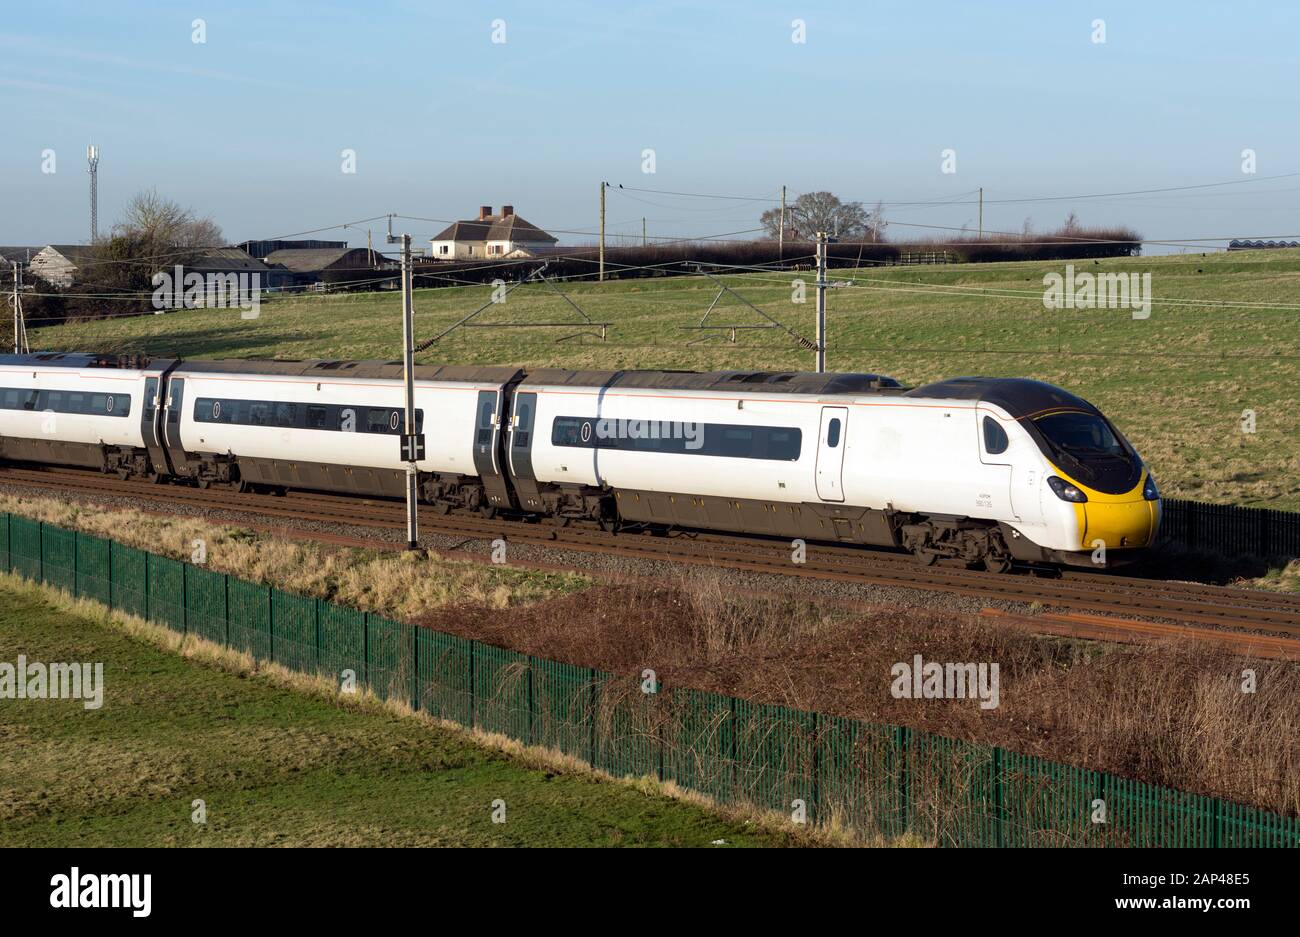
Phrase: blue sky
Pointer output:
(249, 126)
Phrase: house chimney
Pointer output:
(484, 211)
(507, 211)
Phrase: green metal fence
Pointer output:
(828, 770)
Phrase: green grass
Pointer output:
(278, 766)
(1176, 383)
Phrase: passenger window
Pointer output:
(995, 437)
(833, 434)
(286, 414)
(316, 417)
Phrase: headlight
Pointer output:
(1065, 491)
(1149, 490)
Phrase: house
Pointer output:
(489, 235)
(309, 266)
(57, 264)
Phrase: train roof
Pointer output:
(370, 370)
(786, 382)
(387, 370)
(1021, 397)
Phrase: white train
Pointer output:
(974, 470)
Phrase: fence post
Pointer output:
(270, 622)
(146, 586)
(40, 551)
(530, 703)
(415, 668)
(111, 553)
(903, 738)
(76, 544)
(998, 805)
(365, 649)
(225, 586)
(185, 600)
(816, 795)
(591, 717)
(473, 695)
(316, 615)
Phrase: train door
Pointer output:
(149, 427)
(171, 425)
(830, 453)
(521, 451)
(487, 448)
(995, 497)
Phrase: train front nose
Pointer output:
(1121, 524)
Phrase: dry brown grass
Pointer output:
(1173, 714)
(400, 585)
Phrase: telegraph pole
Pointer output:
(412, 442)
(781, 237)
(20, 325)
(822, 240)
(602, 229)
(981, 213)
(644, 240)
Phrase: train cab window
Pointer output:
(833, 434)
(317, 417)
(995, 437)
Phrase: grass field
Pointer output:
(1177, 383)
(277, 765)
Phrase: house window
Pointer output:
(444, 249)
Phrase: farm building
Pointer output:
(57, 264)
(21, 255)
(489, 235)
(261, 249)
(327, 265)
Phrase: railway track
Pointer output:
(1088, 595)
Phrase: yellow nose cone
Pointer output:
(1121, 523)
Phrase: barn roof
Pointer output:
(309, 260)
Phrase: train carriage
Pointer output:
(969, 470)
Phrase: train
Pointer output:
(982, 471)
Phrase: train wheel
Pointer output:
(556, 520)
(489, 511)
(997, 564)
(925, 557)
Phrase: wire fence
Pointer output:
(876, 780)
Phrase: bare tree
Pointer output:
(819, 211)
(163, 231)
